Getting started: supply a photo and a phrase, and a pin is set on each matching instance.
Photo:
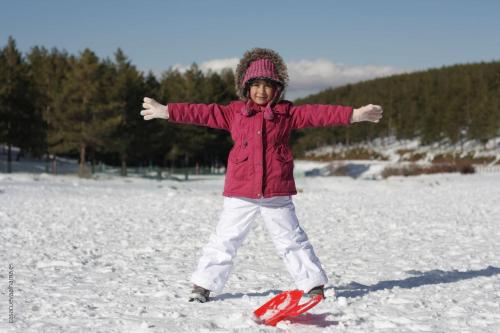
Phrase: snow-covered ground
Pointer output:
(418, 254)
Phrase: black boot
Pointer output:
(319, 290)
(199, 294)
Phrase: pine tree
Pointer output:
(84, 113)
(47, 71)
(21, 124)
(126, 92)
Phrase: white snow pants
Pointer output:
(237, 217)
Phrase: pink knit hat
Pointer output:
(262, 69)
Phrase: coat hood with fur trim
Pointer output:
(260, 53)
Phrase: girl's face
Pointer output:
(262, 92)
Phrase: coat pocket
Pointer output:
(238, 167)
(285, 157)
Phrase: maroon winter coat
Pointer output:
(260, 164)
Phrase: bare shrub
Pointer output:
(414, 170)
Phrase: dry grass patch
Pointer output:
(350, 154)
(453, 158)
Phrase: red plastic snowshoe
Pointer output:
(284, 305)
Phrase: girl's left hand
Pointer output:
(368, 112)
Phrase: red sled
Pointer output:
(284, 305)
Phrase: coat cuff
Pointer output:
(348, 111)
(173, 113)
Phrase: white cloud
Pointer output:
(310, 76)
(216, 65)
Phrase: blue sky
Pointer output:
(325, 43)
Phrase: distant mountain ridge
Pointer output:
(455, 103)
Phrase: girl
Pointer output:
(259, 175)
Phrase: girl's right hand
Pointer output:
(153, 109)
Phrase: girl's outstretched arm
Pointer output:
(211, 115)
(323, 115)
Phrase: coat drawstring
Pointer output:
(268, 111)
